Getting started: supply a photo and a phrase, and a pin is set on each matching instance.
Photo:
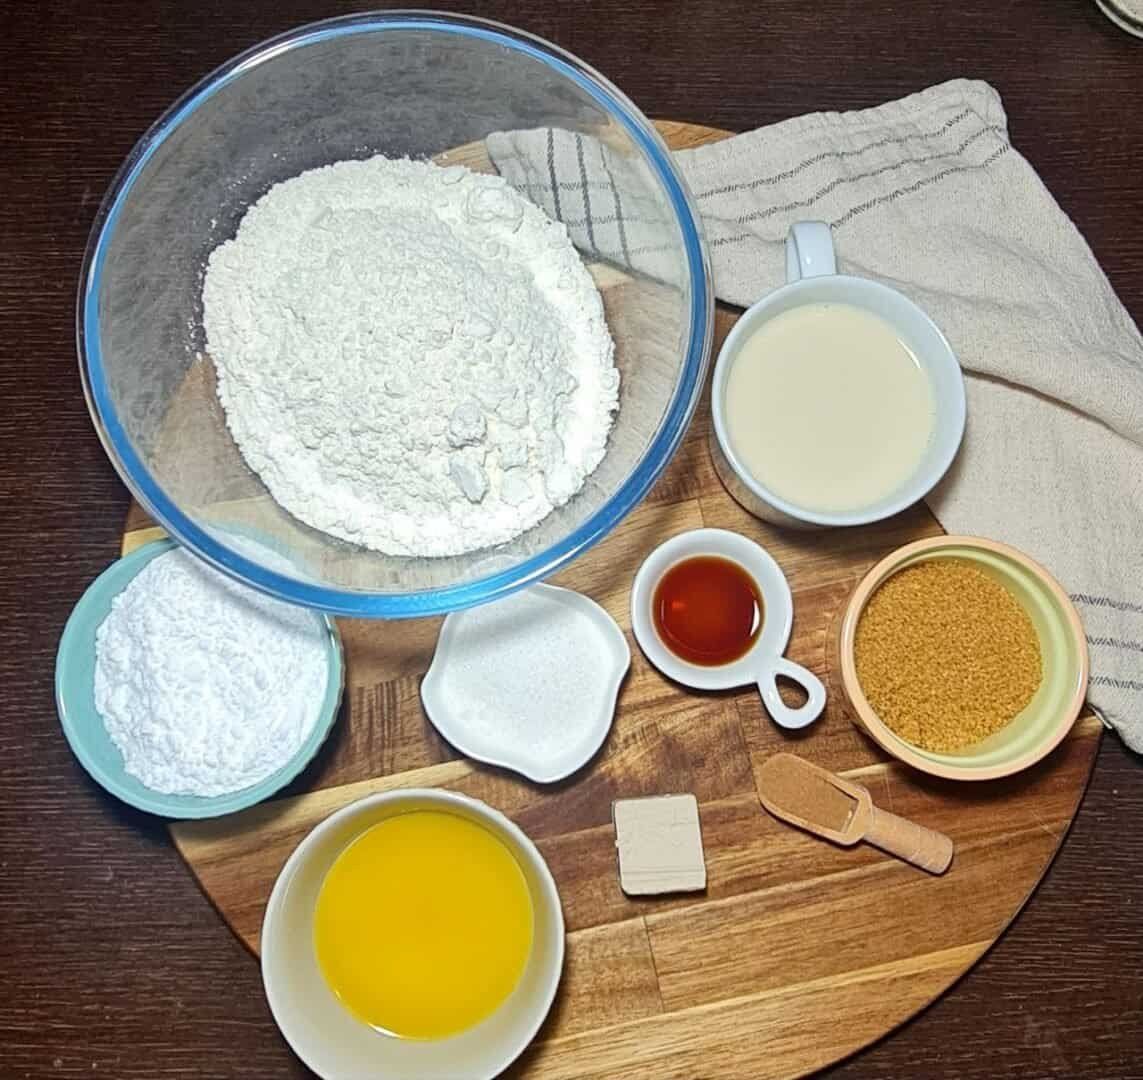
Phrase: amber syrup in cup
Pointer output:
(707, 610)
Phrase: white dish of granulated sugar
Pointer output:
(528, 683)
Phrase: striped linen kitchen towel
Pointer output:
(928, 195)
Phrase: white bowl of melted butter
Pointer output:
(836, 400)
(415, 933)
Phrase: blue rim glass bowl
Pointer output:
(411, 84)
(88, 738)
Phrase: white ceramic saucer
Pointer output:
(508, 688)
(764, 662)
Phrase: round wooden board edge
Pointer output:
(1087, 727)
(683, 135)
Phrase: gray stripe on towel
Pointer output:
(1116, 643)
(619, 222)
(586, 198)
(1120, 684)
(836, 155)
(552, 173)
(833, 185)
(889, 197)
(1107, 602)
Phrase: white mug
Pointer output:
(812, 278)
(764, 661)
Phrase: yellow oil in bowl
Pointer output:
(423, 925)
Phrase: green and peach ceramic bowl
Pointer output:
(1045, 720)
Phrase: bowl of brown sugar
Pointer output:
(963, 658)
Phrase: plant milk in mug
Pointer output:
(827, 408)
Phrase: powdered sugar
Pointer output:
(412, 358)
(205, 686)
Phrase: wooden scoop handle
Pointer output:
(932, 851)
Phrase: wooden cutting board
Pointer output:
(799, 952)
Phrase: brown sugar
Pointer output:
(945, 654)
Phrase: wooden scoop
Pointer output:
(813, 799)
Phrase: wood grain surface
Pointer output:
(791, 931)
(113, 965)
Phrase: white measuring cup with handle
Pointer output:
(764, 661)
(812, 278)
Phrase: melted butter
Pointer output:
(423, 925)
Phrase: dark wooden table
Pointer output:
(111, 962)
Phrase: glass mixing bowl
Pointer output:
(412, 84)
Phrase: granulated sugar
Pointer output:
(205, 686)
(412, 358)
(528, 681)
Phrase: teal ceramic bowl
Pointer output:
(75, 700)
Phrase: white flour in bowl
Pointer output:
(411, 357)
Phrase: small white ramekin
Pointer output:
(766, 658)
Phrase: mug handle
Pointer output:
(779, 711)
(809, 251)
